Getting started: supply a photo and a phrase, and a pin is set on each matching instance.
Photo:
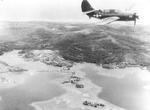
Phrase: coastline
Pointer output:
(74, 97)
(39, 50)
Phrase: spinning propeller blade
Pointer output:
(135, 18)
(134, 22)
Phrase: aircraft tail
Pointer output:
(86, 6)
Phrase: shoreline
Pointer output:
(74, 97)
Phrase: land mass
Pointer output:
(63, 45)
(111, 47)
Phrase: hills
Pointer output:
(102, 45)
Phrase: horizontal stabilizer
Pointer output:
(92, 11)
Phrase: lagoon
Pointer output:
(35, 89)
(127, 92)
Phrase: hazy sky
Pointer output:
(64, 10)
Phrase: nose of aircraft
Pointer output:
(135, 16)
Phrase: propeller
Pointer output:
(134, 22)
(135, 17)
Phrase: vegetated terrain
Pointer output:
(109, 44)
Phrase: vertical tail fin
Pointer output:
(86, 6)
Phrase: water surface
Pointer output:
(127, 92)
(37, 88)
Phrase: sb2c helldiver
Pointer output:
(110, 15)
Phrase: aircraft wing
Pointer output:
(91, 11)
(110, 20)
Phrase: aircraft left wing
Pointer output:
(110, 19)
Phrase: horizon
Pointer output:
(65, 10)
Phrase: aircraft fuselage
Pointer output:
(113, 13)
(121, 17)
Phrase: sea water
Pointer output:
(127, 92)
(38, 88)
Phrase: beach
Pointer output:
(46, 83)
(74, 97)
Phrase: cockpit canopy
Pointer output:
(111, 11)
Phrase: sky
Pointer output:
(66, 10)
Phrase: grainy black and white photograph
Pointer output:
(74, 55)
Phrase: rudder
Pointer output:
(86, 6)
